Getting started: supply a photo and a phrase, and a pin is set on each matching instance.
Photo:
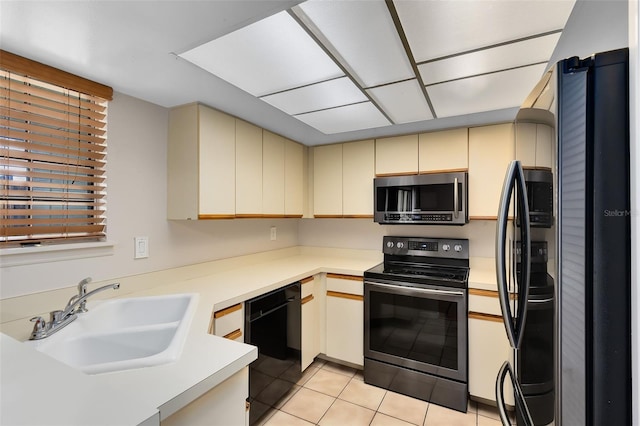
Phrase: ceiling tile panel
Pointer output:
(363, 34)
(403, 102)
(440, 28)
(506, 89)
(526, 52)
(268, 56)
(345, 119)
(327, 94)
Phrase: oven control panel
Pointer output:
(429, 247)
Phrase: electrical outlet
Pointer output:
(274, 234)
(141, 247)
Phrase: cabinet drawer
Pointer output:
(349, 284)
(307, 287)
(228, 322)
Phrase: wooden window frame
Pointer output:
(53, 155)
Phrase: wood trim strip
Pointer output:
(358, 216)
(429, 172)
(293, 216)
(345, 295)
(485, 317)
(485, 293)
(489, 293)
(227, 311)
(233, 335)
(396, 174)
(248, 216)
(327, 216)
(215, 216)
(307, 299)
(345, 277)
(306, 280)
(20, 65)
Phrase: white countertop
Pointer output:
(205, 361)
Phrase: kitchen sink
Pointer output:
(123, 334)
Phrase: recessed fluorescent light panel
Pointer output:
(342, 66)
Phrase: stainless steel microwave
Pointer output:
(430, 199)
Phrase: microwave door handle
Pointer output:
(456, 207)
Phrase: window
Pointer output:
(53, 154)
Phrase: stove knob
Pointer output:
(390, 244)
(458, 247)
(446, 247)
(400, 244)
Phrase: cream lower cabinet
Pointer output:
(226, 404)
(488, 346)
(229, 323)
(310, 327)
(345, 318)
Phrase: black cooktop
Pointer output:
(431, 275)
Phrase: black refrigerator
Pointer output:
(586, 101)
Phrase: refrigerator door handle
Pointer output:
(518, 396)
(514, 325)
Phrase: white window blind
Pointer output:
(53, 152)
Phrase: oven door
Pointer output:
(423, 329)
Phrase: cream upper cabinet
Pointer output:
(293, 179)
(327, 180)
(357, 178)
(491, 149)
(248, 169)
(273, 181)
(201, 163)
(534, 145)
(397, 155)
(444, 151)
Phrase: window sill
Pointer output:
(19, 256)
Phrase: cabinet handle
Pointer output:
(309, 298)
(227, 311)
(345, 295)
(306, 280)
(233, 335)
(485, 317)
(344, 277)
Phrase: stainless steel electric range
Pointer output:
(415, 313)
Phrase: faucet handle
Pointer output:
(39, 326)
(55, 316)
(82, 286)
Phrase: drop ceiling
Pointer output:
(319, 71)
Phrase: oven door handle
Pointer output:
(421, 290)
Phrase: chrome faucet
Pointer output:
(60, 318)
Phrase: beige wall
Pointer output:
(136, 206)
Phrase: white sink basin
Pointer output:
(123, 334)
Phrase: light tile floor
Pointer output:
(331, 394)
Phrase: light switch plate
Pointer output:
(141, 247)
(274, 234)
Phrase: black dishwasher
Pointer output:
(272, 323)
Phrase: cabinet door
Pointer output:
(358, 165)
(182, 156)
(345, 319)
(217, 164)
(397, 155)
(327, 181)
(293, 179)
(534, 145)
(488, 349)
(491, 149)
(273, 175)
(310, 338)
(444, 151)
(248, 169)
